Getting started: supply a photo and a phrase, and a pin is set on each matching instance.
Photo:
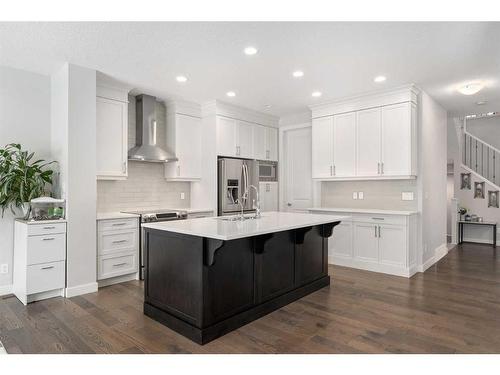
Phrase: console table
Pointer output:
(462, 223)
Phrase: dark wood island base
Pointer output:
(204, 288)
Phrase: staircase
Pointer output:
(480, 158)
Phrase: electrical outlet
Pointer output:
(183, 195)
(361, 195)
(355, 195)
(4, 268)
(407, 196)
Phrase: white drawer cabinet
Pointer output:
(374, 242)
(117, 265)
(117, 249)
(39, 260)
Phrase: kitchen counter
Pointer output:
(114, 215)
(206, 277)
(216, 228)
(363, 211)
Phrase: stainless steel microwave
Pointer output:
(268, 170)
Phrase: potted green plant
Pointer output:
(21, 178)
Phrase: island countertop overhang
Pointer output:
(270, 222)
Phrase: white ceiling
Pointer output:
(339, 59)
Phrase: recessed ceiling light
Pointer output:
(231, 94)
(250, 50)
(379, 79)
(298, 74)
(181, 79)
(470, 88)
(267, 106)
(482, 102)
(316, 94)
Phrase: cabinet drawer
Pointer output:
(116, 265)
(45, 277)
(39, 229)
(46, 248)
(114, 224)
(379, 219)
(117, 241)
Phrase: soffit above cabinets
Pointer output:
(408, 93)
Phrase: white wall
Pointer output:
(74, 141)
(25, 119)
(432, 176)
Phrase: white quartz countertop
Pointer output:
(363, 211)
(114, 215)
(270, 222)
(41, 222)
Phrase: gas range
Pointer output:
(151, 216)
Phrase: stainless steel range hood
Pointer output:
(146, 148)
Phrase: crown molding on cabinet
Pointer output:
(183, 107)
(407, 93)
(220, 108)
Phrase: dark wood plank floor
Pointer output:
(454, 307)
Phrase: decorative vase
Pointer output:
(26, 209)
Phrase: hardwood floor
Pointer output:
(454, 307)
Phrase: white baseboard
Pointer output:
(5, 289)
(118, 279)
(81, 289)
(439, 252)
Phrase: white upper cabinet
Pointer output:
(112, 138)
(370, 137)
(344, 145)
(244, 139)
(227, 137)
(265, 143)
(322, 147)
(184, 138)
(396, 157)
(368, 142)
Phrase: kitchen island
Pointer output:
(206, 277)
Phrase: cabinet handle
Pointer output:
(49, 227)
(331, 170)
(124, 167)
(119, 264)
(375, 227)
(48, 239)
(378, 168)
(119, 241)
(382, 168)
(118, 224)
(379, 231)
(238, 150)
(378, 218)
(334, 173)
(47, 268)
(178, 170)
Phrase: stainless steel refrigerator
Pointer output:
(234, 179)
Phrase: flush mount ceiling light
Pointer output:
(298, 74)
(181, 79)
(470, 88)
(379, 79)
(316, 94)
(231, 94)
(250, 50)
(482, 102)
(267, 106)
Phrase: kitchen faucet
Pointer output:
(256, 205)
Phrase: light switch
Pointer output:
(183, 196)
(407, 195)
(355, 195)
(361, 195)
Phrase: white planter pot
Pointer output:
(25, 210)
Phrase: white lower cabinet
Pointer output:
(39, 260)
(117, 249)
(268, 194)
(380, 243)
